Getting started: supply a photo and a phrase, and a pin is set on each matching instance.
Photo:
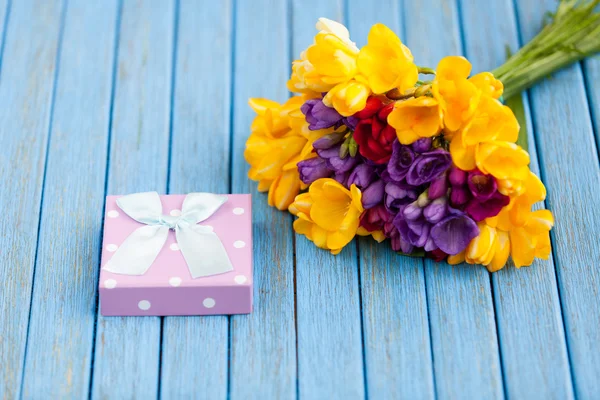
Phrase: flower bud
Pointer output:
(435, 211)
(423, 199)
(412, 211)
(459, 196)
(422, 145)
(457, 176)
(344, 149)
(438, 187)
(328, 141)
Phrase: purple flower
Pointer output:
(400, 162)
(365, 177)
(373, 195)
(454, 233)
(459, 196)
(438, 187)
(434, 226)
(457, 176)
(362, 176)
(482, 186)
(319, 116)
(397, 195)
(328, 141)
(436, 210)
(422, 145)
(486, 200)
(312, 169)
(490, 208)
(334, 162)
(428, 166)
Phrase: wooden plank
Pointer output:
(461, 311)
(569, 167)
(194, 350)
(26, 91)
(397, 344)
(126, 363)
(591, 71)
(531, 331)
(263, 344)
(330, 355)
(61, 328)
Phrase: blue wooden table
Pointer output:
(108, 97)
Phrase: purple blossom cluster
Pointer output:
(408, 199)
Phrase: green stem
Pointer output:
(573, 35)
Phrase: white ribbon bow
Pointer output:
(201, 247)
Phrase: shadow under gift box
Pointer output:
(167, 287)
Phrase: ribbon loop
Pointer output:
(201, 248)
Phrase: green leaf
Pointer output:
(516, 104)
(416, 253)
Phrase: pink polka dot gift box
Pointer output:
(176, 255)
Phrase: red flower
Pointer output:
(437, 255)
(373, 134)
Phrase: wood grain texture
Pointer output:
(199, 163)
(398, 361)
(263, 344)
(461, 311)
(569, 167)
(330, 354)
(61, 328)
(126, 363)
(26, 88)
(530, 325)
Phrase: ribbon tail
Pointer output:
(203, 251)
(138, 251)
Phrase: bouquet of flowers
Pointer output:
(369, 147)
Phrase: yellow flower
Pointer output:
(532, 239)
(416, 118)
(328, 214)
(488, 84)
(273, 143)
(379, 236)
(284, 189)
(386, 62)
(519, 209)
(503, 160)
(491, 121)
(330, 60)
(347, 98)
(486, 142)
(457, 95)
(496, 242)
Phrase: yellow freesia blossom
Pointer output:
(379, 236)
(330, 60)
(386, 62)
(328, 214)
(496, 242)
(416, 118)
(272, 144)
(457, 95)
(488, 84)
(347, 98)
(284, 189)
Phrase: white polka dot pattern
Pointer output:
(110, 283)
(209, 302)
(144, 305)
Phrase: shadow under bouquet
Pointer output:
(370, 146)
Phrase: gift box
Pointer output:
(176, 255)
